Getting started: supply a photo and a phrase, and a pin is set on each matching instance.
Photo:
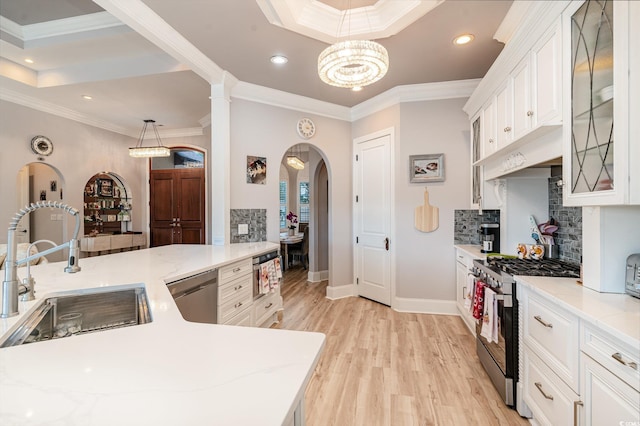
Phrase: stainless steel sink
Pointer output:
(83, 312)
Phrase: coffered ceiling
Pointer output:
(80, 49)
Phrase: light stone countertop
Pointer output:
(617, 314)
(166, 372)
(472, 250)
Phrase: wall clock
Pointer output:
(41, 145)
(306, 128)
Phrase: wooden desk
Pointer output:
(285, 241)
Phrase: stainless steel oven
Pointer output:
(257, 261)
(500, 360)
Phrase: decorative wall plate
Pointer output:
(41, 145)
(306, 128)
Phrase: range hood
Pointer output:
(540, 148)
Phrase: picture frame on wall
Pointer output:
(426, 168)
(256, 170)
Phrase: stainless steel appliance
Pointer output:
(197, 296)
(257, 261)
(632, 282)
(490, 237)
(500, 360)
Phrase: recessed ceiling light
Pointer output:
(279, 59)
(29, 60)
(463, 39)
(356, 88)
(87, 97)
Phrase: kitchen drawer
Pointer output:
(234, 306)
(552, 333)
(231, 272)
(230, 290)
(617, 357)
(463, 258)
(266, 306)
(242, 319)
(551, 401)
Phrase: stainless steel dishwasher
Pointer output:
(197, 296)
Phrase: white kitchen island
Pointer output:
(166, 372)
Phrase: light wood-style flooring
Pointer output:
(382, 367)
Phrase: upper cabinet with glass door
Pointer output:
(601, 154)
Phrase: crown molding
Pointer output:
(57, 110)
(317, 20)
(414, 93)
(147, 23)
(512, 20)
(278, 98)
(538, 19)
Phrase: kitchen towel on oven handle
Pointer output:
(489, 328)
(478, 300)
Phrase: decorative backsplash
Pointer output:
(257, 221)
(569, 235)
(467, 224)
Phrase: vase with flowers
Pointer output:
(293, 220)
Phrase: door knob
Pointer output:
(386, 244)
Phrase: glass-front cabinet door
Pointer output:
(597, 145)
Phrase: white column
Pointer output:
(220, 162)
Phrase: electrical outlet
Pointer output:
(243, 229)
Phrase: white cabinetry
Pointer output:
(573, 371)
(522, 110)
(235, 293)
(464, 262)
(504, 115)
(601, 89)
(489, 135)
(546, 79)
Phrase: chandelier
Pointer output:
(353, 63)
(293, 158)
(140, 151)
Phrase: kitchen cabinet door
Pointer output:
(606, 398)
(522, 112)
(489, 140)
(546, 79)
(601, 75)
(504, 115)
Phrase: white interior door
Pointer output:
(23, 232)
(373, 218)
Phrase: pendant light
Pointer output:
(294, 160)
(352, 63)
(140, 151)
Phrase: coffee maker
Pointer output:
(490, 237)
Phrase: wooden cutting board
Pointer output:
(426, 216)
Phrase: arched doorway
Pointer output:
(304, 190)
(41, 182)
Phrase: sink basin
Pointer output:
(83, 312)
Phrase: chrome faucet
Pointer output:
(11, 288)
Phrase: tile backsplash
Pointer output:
(257, 221)
(569, 235)
(467, 224)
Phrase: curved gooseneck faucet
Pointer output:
(10, 285)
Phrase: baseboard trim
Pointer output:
(425, 306)
(317, 276)
(342, 291)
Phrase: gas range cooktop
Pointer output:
(538, 268)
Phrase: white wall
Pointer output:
(425, 264)
(267, 131)
(41, 225)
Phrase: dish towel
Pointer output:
(478, 300)
(468, 296)
(264, 278)
(488, 317)
(274, 281)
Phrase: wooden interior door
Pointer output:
(177, 198)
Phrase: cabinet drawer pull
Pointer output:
(490, 140)
(269, 305)
(529, 113)
(236, 269)
(539, 386)
(576, 404)
(507, 129)
(543, 322)
(237, 305)
(618, 357)
(238, 287)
